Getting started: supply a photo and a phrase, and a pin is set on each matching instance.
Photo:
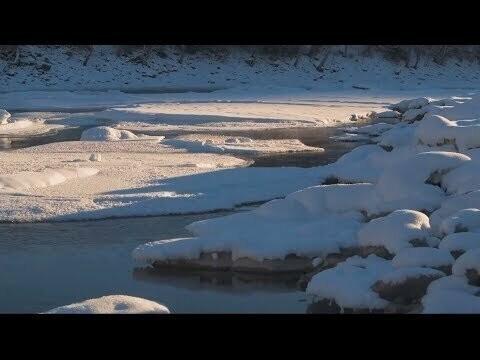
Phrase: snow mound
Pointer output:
(349, 283)
(112, 304)
(422, 257)
(461, 221)
(41, 179)
(451, 206)
(408, 183)
(395, 231)
(437, 130)
(468, 261)
(401, 275)
(4, 116)
(451, 295)
(105, 133)
(388, 114)
(313, 222)
(460, 242)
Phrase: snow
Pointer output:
(435, 129)
(350, 137)
(395, 231)
(422, 257)
(135, 178)
(462, 220)
(469, 260)
(413, 114)
(105, 133)
(112, 304)
(236, 145)
(462, 241)
(451, 295)
(4, 116)
(388, 114)
(372, 130)
(349, 283)
(400, 275)
(451, 206)
(312, 222)
(42, 179)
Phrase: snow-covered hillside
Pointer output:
(169, 69)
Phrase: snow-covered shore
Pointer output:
(394, 204)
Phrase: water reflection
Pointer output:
(227, 281)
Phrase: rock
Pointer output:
(329, 306)
(95, 157)
(44, 67)
(473, 277)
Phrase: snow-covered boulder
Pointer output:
(105, 133)
(451, 295)
(4, 116)
(458, 243)
(348, 284)
(388, 114)
(95, 157)
(113, 304)
(468, 265)
(435, 130)
(461, 221)
(396, 231)
(410, 183)
(424, 257)
(405, 285)
(413, 115)
(450, 206)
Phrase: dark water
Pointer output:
(45, 265)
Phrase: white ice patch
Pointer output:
(105, 133)
(112, 304)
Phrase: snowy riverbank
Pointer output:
(393, 206)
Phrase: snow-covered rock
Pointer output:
(112, 304)
(424, 257)
(388, 114)
(451, 295)
(349, 283)
(461, 221)
(395, 231)
(105, 133)
(468, 265)
(405, 285)
(413, 114)
(458, 243)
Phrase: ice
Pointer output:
(112, 304)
